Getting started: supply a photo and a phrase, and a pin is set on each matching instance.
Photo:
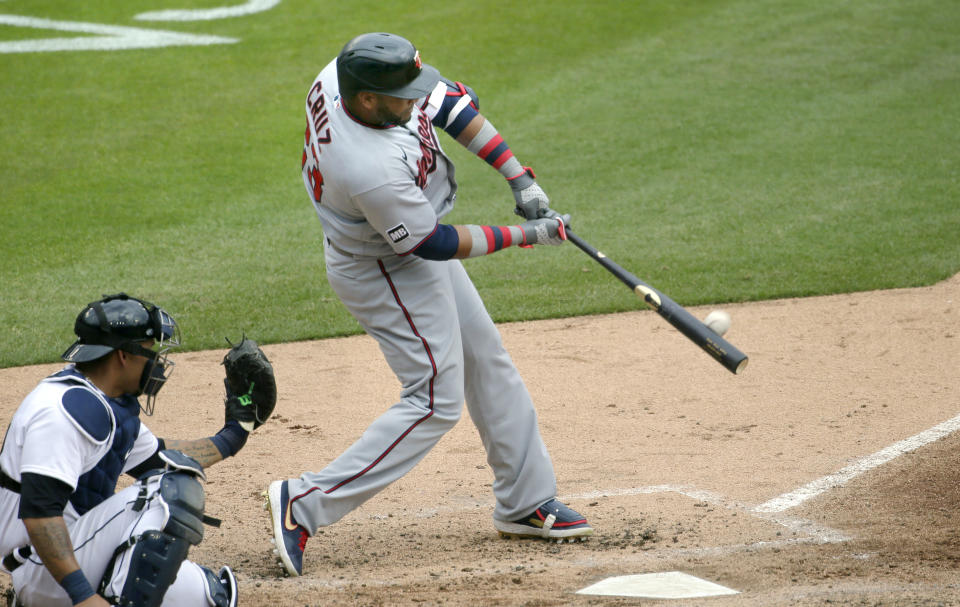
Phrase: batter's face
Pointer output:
(393, 110)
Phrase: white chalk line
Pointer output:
(209, 14)
(574, 560)
(107, 37)
(844, 475)
(808, 531)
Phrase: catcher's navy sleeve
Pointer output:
(230, 439)
(42, 496)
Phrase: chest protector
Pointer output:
(100, 483)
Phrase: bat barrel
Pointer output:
(690, 326)
(716, 346)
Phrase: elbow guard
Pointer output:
(457, 108)
(459, 89)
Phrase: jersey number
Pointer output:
(311, 173)
(316, 183)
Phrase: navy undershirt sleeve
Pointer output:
(441, 245)
(42, 496)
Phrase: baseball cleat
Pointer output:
(289, 537)
(552, 521)
(229, 581)
(220, 588)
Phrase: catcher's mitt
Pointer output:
(251, 386)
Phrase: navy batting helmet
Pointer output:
(384, 63)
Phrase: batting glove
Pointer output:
(546, 230)
(532, 201)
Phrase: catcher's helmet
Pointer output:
(121, 322)
(118, 322)
(384, 63)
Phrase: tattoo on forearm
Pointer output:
(54, 547)
(202, 449)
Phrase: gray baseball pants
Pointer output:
(439, 340)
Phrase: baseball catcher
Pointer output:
(67, 536)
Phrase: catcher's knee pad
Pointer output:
(183, 496)
(157, 555)
(154, 563)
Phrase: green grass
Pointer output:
(724, 150)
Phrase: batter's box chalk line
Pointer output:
(809, 531)
(679, 585)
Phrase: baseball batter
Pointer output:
(381, 184)
(65, 537)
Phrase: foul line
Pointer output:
(842, 476)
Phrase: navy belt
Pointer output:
(8, 483)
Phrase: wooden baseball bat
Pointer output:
(720, 349)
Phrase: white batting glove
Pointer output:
(532, 201)
(546, 230)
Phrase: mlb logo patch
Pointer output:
(398, 233)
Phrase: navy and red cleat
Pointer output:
(289, 537)
(553, 521)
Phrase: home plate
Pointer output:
(667, 585)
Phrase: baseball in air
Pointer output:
(718, 321)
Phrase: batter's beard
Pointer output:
(386, 118)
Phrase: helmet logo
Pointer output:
(416, 60)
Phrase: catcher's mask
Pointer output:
(121, 322)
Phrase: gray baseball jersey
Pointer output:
(377, 191)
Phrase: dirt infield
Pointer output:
(813, 478)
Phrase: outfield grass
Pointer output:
(721, 150)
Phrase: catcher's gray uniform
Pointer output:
(379, 193)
